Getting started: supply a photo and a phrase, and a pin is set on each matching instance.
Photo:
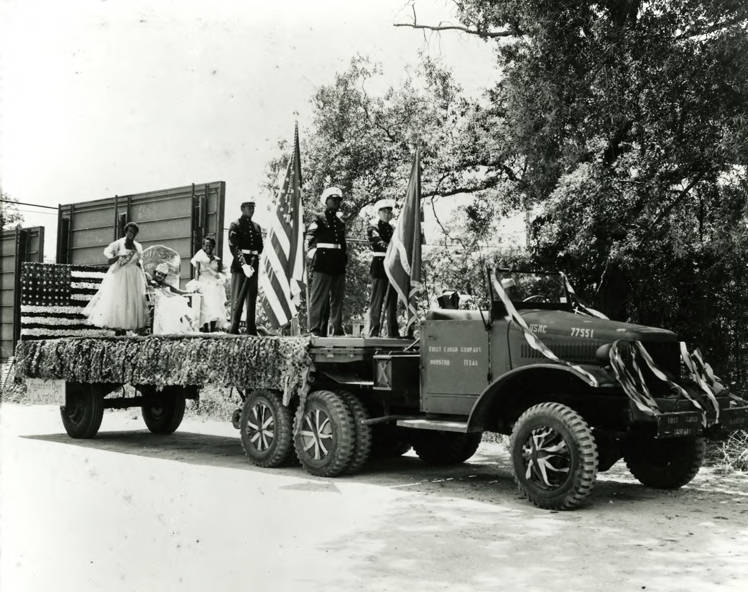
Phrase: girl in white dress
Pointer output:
(211, 280)
(171, 313)
(120, 303)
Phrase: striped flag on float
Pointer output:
(283, 261)
(53, 297)
(402, 262)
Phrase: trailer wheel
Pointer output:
(265, 428)
(83, 410)
(445, 448)
(554, 456)
(163, 410)
(325, 434)
(362, 448)
(664, 464)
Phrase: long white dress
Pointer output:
(212, 288)
(172, 314)
(120, 300)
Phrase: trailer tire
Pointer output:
(445, 448)
(324, 434)
(265, 428)
(664, 464)
(554, 456)
(362, 449)
(83, 410)
(163, 411)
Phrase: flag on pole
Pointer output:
(402, 262)
(283, 281)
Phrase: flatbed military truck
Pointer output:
(576, 393)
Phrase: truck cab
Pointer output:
(557, 376)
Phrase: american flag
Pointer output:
(53, 297)
(283, 281)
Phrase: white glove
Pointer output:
(248, 270)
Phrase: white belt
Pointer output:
(328, 246)
(248, 252)
(378, 254)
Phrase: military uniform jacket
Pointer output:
(325, 238)
(379, 235)
(244, 235)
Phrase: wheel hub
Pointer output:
(261, 426)
(316, 434)
(546, 458)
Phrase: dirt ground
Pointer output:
(132, 511)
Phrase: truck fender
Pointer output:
(492, 410)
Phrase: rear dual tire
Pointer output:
(265, 428)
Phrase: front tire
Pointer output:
(664, 464)
(554, 456)
(83, 410)
(265, 428)
(445, 448)
(325, 434)
(163, 411)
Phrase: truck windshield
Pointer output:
(534, 289)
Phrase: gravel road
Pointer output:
(132, 511)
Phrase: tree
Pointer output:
(363, 143)
(626, 120)
(9, 214)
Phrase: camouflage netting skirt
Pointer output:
(281, 363)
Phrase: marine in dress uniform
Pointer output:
(382, 293)
(245, 243)
(325, 244)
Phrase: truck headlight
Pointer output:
(602, 353)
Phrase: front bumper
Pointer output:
(679, 419)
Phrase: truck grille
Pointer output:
(571, 352)
(665, 355)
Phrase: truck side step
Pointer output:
(433, 424)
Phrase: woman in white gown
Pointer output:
(212, 281)
(171, 313)
(120, 303)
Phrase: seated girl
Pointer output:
(172, 313)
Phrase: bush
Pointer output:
(731, 454)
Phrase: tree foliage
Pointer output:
(619, 126)
(628, 119)
(9, 214)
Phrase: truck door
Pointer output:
(454, 365)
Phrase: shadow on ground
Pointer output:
(487, 477)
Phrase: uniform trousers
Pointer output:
(382, 293)
(326, 294)
(243, 292)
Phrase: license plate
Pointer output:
(45, 392)
(682, 423)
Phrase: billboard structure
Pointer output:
(17, 245)
(178, 218)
